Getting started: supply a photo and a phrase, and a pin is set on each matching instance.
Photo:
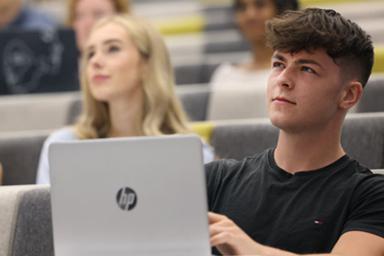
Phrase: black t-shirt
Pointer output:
(303, 213)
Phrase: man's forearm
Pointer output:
(270, 251)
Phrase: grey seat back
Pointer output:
(362, 138)
(194, 99)
(239, 139)
(35, 111)
(25, 221)
(373, 95)
(194, 73)
(19, 155)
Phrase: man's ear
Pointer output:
(351, 94)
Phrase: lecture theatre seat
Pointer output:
(19, 155)
(25, 221)
(373, 95)
(194, 99)
(35, 111)
(362, 138)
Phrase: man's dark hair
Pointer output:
(310, 29)
(281, 5)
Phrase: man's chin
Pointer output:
(284, 124)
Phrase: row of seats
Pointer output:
(190, 16)
(362, 137)
(220, 35)
(178, 19)
(55, 110)
(52, 111)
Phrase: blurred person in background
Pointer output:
(127, 85)
(242, 86)
(15, 14)
(82, 14)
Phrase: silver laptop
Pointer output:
(131, 196)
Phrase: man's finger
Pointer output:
(214, 217)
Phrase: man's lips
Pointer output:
(283, 100)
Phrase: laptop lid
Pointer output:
(129, 196)
(38, 61)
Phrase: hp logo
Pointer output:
(126, 198)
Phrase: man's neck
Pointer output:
(307, 151)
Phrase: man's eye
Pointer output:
(277, 65)
(308, 69)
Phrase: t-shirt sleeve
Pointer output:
(367, 207)
(218, 174)
(213, 173)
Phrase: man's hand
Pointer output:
(228, 238)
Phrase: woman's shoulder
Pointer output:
(63, 134)
(229, 75)
(224, 70)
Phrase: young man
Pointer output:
(306, 195)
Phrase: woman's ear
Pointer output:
(351, 94)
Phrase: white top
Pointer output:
(238, 93)
(68, 134)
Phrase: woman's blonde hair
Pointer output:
(120, 6)
(162, 111)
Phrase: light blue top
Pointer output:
(32, 19)
(68, 134)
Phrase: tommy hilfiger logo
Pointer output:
(126, 198)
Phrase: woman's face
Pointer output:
(87, 12)
(114, 65)
(251, 15)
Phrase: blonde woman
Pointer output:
(82, 14)
(128, 87)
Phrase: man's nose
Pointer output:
(286, 78)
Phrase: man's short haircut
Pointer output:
(344, 41)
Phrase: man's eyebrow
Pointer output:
(309, 61)
(278, 56)
(300, 61)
